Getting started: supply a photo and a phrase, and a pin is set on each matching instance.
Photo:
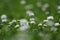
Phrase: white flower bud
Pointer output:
(50, 17)
(57, 24)
(4, 18)
(40, 24)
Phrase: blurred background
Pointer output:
(32, 14)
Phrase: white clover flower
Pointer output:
(24, 24)
(54, 29)
(32, 22)
(32, 19)
(57, 24)
(58, 7)
(23, 2)
(50, 17)
(17, 26)
(30, 13)
(4, 18)
(38, 4)
(40, 24)
(49, 21)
